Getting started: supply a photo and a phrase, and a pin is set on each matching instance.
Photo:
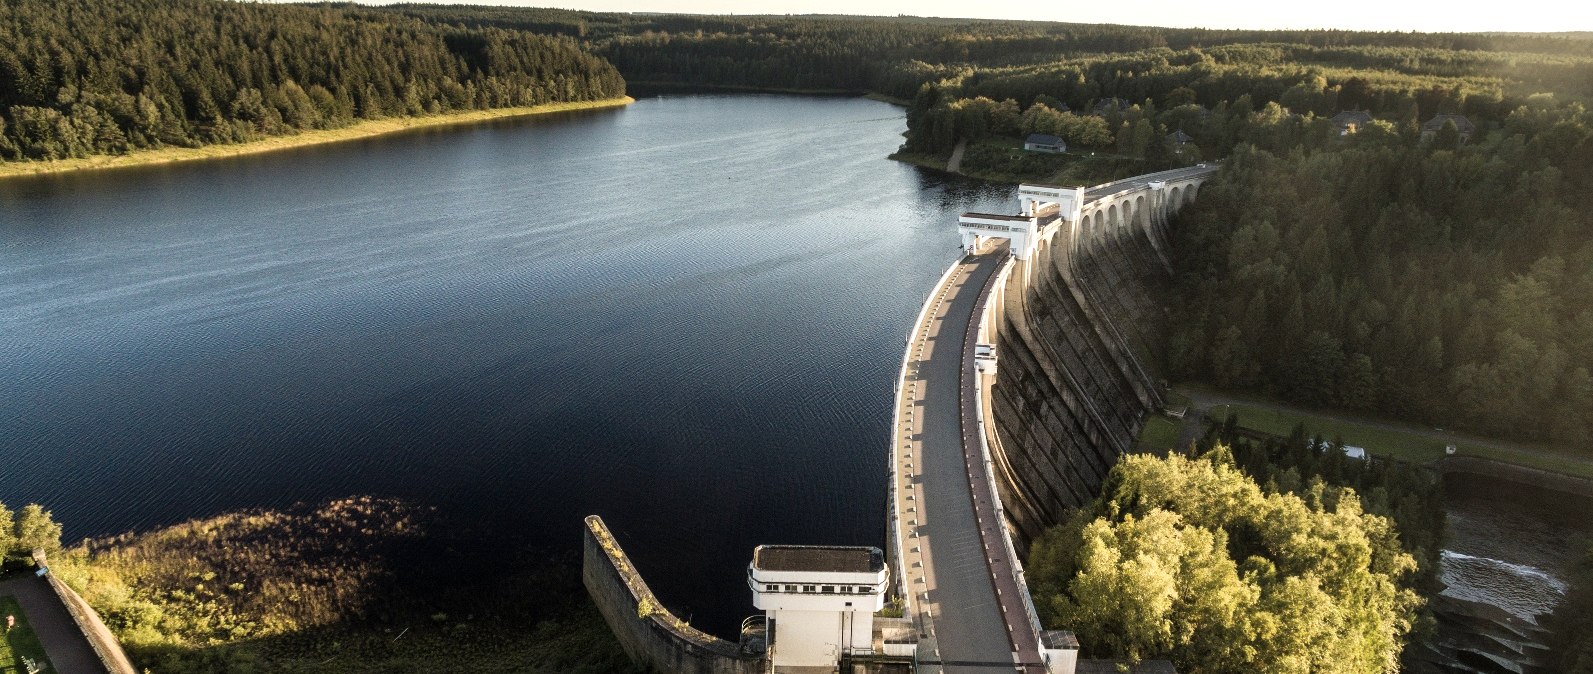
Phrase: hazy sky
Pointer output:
(1403, 15)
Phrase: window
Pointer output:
(771, 588)
(846, 589)
(790, 588)
(810, 588)
(864, 589)
(829, 589)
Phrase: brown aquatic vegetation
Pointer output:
(354, 585)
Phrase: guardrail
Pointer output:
(987, 437)
(1027, 647)
(99, 637)
(902, 589)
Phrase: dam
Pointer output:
(1026, 374)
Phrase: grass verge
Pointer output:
(1159, 433)
(365, 129)
(1404, 441)
(19, 642)
(1405, 446)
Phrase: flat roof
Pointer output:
(821, 558)
(991, 216)
(1047, 186)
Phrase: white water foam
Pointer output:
(1532, 572)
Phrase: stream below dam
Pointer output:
(1504, 567)
(686, 316)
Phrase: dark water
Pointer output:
(686, 316)
(1511, 544)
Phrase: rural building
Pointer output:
(1463, 125)
(1350, 121)
(1178, 139)
(819, 603)
(1039, 142)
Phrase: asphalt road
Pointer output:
(962, 600)
(66, 647)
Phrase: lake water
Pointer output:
(686, 316)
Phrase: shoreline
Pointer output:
(356, 131)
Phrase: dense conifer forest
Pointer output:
(86, 77)
(1447, 284)
(895, 55)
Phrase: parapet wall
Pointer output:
(649, 633)
(105, 645)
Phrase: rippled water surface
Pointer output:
(1511, 544)
(686, 316)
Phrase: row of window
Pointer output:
(821, 589)
(994, 228)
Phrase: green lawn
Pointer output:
(1413, 445)
(1159, 433)
(19, 642)
(1378, 441)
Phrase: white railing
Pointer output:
(903, 588)
(986, 436)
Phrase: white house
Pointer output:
(1039, 142)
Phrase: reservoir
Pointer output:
(686, 316)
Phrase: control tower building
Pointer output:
(819, 602)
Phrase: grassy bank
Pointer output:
(18, 642)
(1400, 440)
(356, 586)
(365, 129)
(1159, 434)
(1004, 160)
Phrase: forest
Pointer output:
(896, 55)
(1402, 267)
(1445, 283)
(22, 532)
(95, 77)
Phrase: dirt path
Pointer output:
(954, 165)
(68, 650)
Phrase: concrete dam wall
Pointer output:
(1078, 327)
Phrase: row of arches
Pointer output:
(1117, 214)
(1135, 209)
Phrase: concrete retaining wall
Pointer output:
(1523, 475)
(94, 630)
(649, 633)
